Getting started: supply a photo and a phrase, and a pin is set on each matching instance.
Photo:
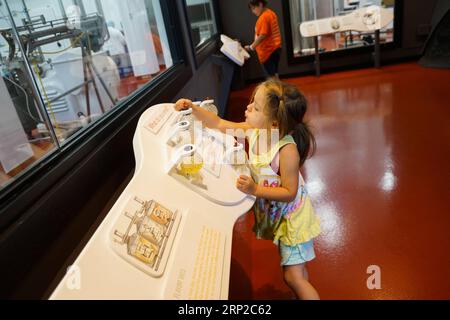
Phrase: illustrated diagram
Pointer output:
(144, 237)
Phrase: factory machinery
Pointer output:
(67, 88)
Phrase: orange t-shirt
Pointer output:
(267, 24)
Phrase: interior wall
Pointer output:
(204, 83)
(416, 14)
(442, 6)
(205, 78)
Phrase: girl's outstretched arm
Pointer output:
(208, 118)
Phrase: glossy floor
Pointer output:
(379, 182)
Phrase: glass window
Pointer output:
(21, 143)
(80, 59)
(202, 19)
(307, 10)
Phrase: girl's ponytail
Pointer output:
(306, 143)
(296, 106)
(282, 116)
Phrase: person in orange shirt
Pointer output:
(267, 41)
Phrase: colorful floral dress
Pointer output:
(289, 222)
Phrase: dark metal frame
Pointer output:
(376, 53)
(292, 60)
(204, 51)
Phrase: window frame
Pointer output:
(210, 46)
(326, 56)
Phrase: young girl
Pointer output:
(283, 211)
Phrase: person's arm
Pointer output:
(262, 31)
(256, 43)
(210, 119)
(289, 167)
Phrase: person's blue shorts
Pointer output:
(298, 254)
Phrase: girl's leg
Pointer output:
(296, 277)
(305, 273)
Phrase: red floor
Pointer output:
(379, 181)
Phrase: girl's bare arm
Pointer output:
(208, 118)
(289, 167)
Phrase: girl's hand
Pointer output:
(246, 185)
(183, 104)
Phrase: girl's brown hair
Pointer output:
(286, 105)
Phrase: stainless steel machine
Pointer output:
(47, 87)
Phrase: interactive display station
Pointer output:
(169, 234)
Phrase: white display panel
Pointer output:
(195, 262)
(364, 20)
(215, 181)
(233, 50)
